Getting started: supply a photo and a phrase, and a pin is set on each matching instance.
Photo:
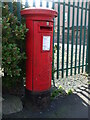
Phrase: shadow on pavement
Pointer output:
(70, 106)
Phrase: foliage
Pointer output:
(55, 48)
(13, 40)
(60, 91)
(70, 92)
(88, 82)
(57, 92)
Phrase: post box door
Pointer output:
(42, 55)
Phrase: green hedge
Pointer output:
(13, 48)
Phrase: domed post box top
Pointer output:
(39, 13)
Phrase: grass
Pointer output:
(70, 92)
(60, 91)
(57, 92)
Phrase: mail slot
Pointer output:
(39, 41)
(45, 28)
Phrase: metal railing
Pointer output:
(74, 68)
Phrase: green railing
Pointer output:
(83, 41)
(74, 39)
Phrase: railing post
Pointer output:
(63, 38)
(80, 38)
(33, 3)
(53, 48)
(77, 25)
(26, 4)
(58, 37)
(10, 6)
(84, 38)
(68, 25)
(73, 16)
(18, 10)
(47, 4)
(40, 3)
(89, 41)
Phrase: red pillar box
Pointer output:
(39, 41)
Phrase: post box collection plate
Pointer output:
(46, 43)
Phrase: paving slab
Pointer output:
(11, 104)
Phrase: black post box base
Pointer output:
(39, 99)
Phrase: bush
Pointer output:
(13, 40)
